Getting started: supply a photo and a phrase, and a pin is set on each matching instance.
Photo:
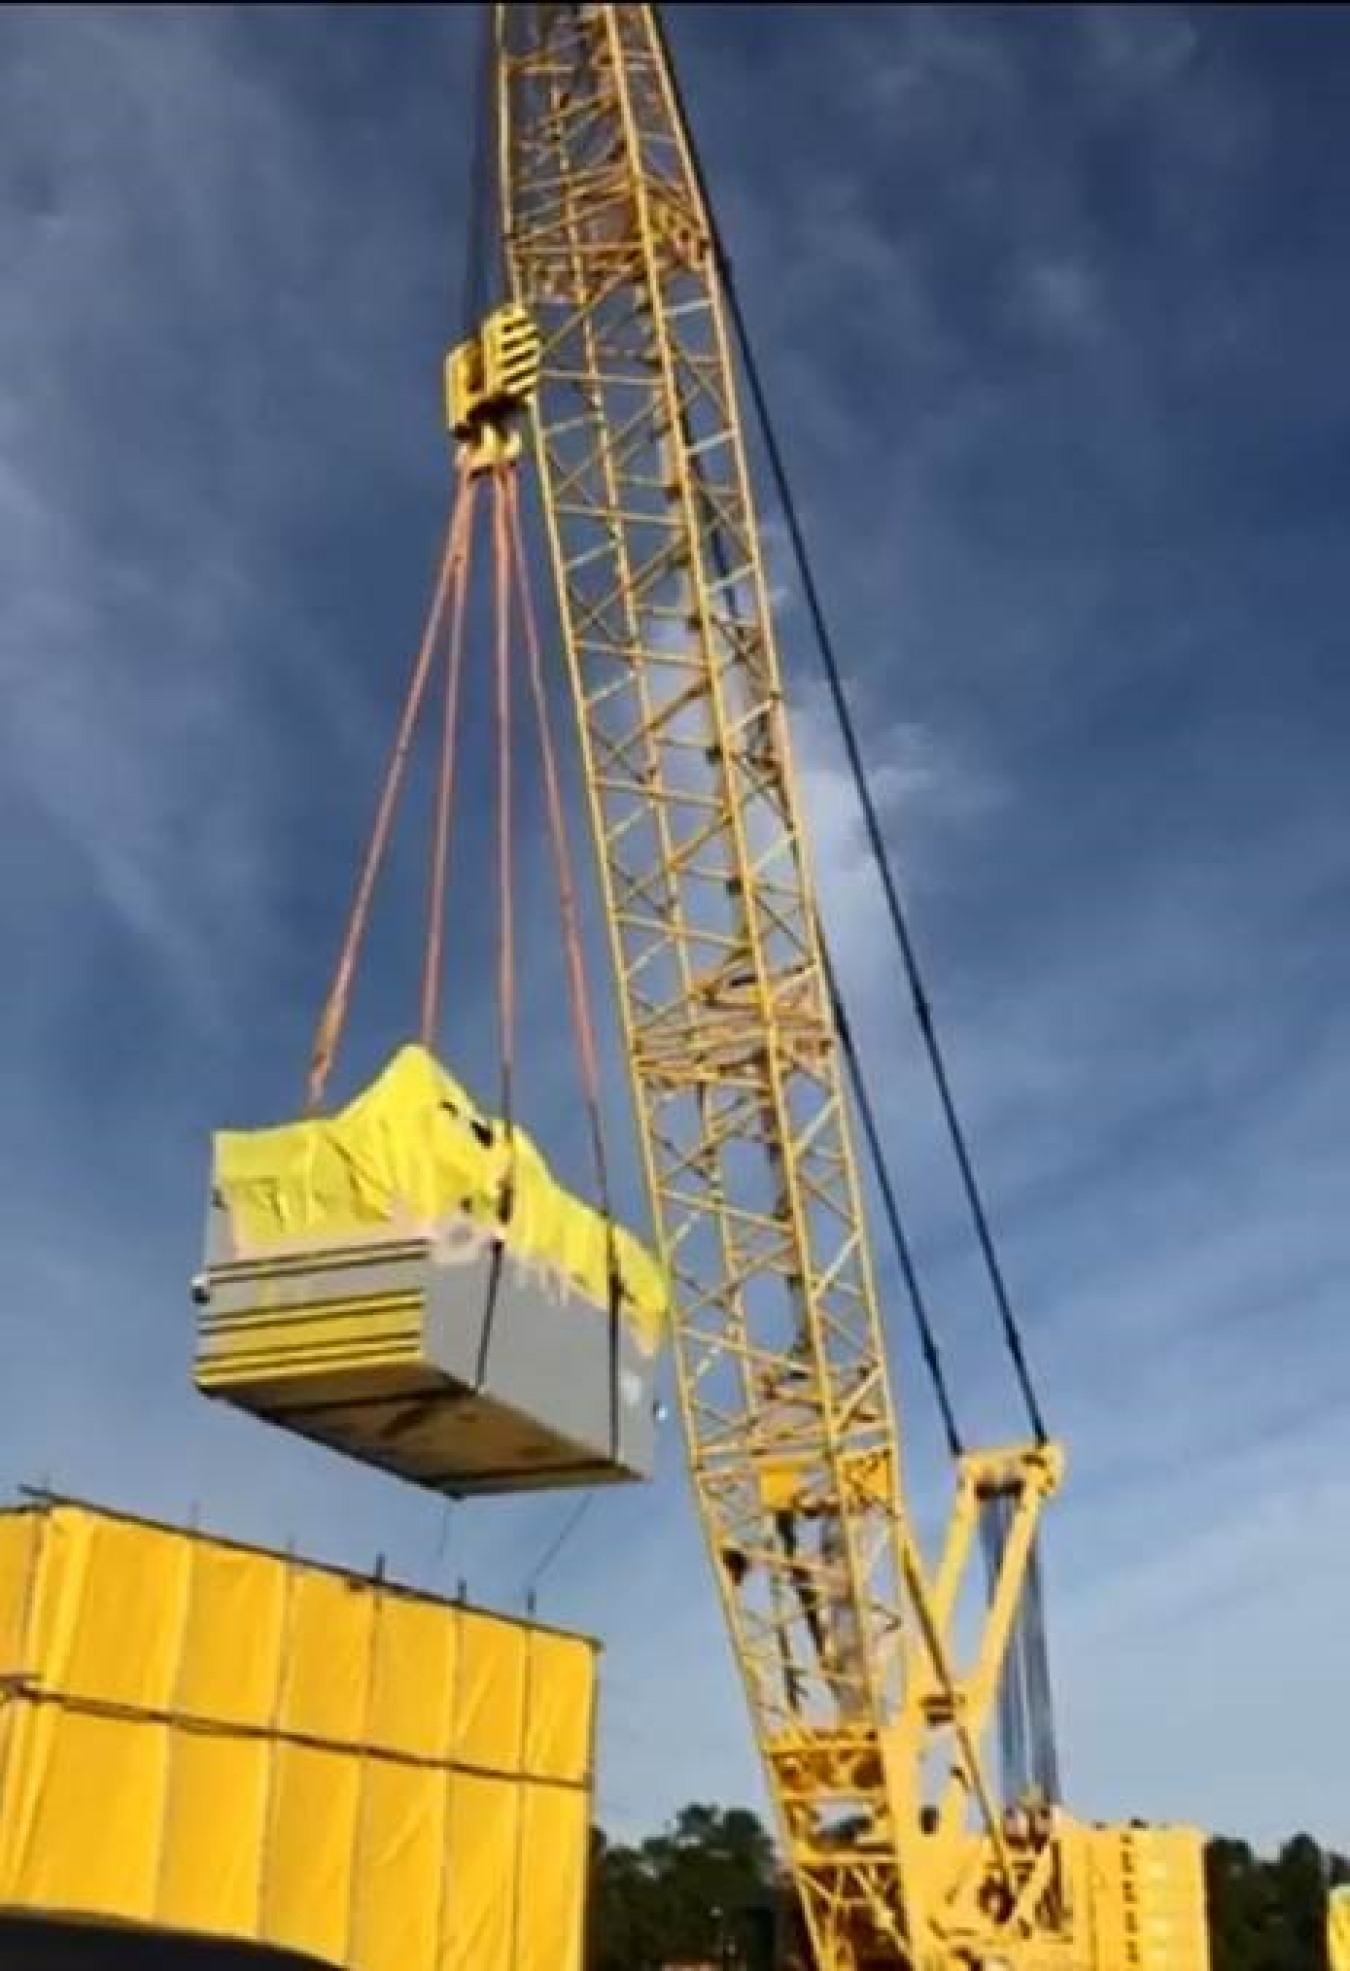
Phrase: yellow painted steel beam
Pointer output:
(844, 1645)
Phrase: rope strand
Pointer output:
(332, 1019)
(506, 940)
(578, 986)
(433, 966)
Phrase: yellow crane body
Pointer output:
(872, 1723)
(843, 1641)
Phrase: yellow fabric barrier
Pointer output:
(1338, 1929)
(411, 1155)
(215, 1739)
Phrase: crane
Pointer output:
(908, 1753)
(871, 1726)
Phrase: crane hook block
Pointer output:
(490, 382)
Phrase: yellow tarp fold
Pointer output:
(413, 1154)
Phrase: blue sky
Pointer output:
(1052, 312)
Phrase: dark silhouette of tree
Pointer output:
(1270, 1915)
(706, 1890)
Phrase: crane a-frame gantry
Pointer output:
(871, 1726)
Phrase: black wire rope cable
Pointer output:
(571, 1520)
(904, 1255)
(876, 840)
(890, 1203)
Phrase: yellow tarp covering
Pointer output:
(220, 1740)
(413, 1154)
(1338, 1929)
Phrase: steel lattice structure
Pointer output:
(870, 1729)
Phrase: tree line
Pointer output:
(707, 1890)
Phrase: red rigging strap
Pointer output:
(333, 1018)
(433, 968)
(506, 916)
(562, 858)
(578, 985)
(515, 619)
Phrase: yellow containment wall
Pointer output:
(223, 1740)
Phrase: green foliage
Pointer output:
(1270, 1915)
(706, 1890)
(703, 1891)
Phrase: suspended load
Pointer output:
(406, 1282)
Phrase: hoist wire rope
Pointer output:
(890, 1205)
(571, 1520)
(879, 851)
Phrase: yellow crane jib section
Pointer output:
(490, 382)
(407, 1282)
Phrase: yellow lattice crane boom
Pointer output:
(871, 1727)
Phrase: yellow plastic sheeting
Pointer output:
(234, 1653)
(330, 1640)
(121, 1613)
(1338, 1929)
(554, 1848)
(482, 1857)
(414, 1692)
(414, 1155)
(96, 1634)
(308, 1878)
(395, 1920)
(215, 1834)
(80, 1793)
(20, 1544)
(559, 1721)
(490, 1703)
(217, 1739)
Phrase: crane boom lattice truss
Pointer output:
(871, 1734)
